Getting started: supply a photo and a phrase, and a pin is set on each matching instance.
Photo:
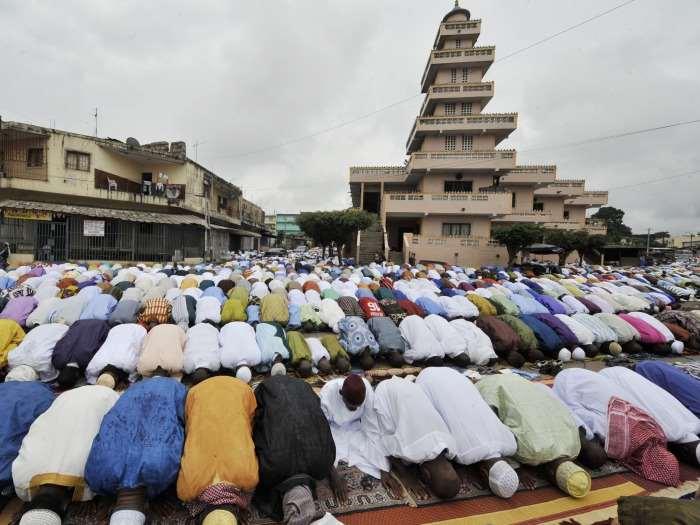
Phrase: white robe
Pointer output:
(313, 298)
(678, 423)
(208, 309)
(36, 350)
(452, 342)
(121, 349)
(58, 442)
(43, 312)
(582, 333)
(318, 351)
(479, 346)
(587, 394)
(421, 344)
(331, 314)
(477, 431)
(202, 349)
(411, 429)
(355, 432)
(602, 333)
(239, 346)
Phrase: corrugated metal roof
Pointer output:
(107, 213)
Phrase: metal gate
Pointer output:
(50, 241)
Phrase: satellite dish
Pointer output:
(131, 141)
(172, 191)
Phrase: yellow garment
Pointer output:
(219, 445)
(482, 304)
(274, 309)
(573, 480)
(11, 335)
(189, 282)
(220, 517)
(239, 293)
(233, 310)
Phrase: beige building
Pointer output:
(456, 183)
(67, 196)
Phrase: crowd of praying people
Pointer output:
(123, 381)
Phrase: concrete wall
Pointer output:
(435, 182)
(444, 75)
(432, 224)
(439, 110)
(479, 142)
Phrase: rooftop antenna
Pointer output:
(456, 3)
(196, 147)
(95, 115)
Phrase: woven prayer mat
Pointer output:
(473, 487)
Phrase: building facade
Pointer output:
(456, 183)
(67, 196)
(289, 235)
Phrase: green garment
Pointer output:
(310, 319)
(528, 340)
(543, 427)
(384, 293)
(573, 290)
(504, 306)
(482, 304)
(233, 310)
(239, 293)
(330, 341)
(299, 349)
(274, 309)
(330, 293)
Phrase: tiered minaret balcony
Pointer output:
(562, 188)
(422, 204)
(529, 175)
(481, 57)
(481, 92)
(590, 199)
(499, 125)
(436, 161)
(469, 29)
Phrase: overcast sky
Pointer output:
(242, 77)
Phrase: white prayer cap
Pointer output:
(40, 517)
(22, 373)
(278, 369)
(503, 480)
(578, 354)
(127, 517)
(220, 517)
(564, 355)
(677, 347)
(615, 348)
(244, 374)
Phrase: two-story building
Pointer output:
(68, 196)
(456, 183)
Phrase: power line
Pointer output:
(654, 181)
(412, 97)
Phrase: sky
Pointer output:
(277, 93)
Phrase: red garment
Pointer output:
(649, 334)
(638, 442)
(371, 308)
(386, 282)
(219, 495)
(411, 308)
(310, 285)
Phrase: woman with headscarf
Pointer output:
(50, 477)
(136, 454)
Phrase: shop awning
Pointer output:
(105, 213)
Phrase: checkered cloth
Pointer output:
(639, 443)
(219, 495)
(155, 311)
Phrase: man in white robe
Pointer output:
(239, 347)
(421, 344)
(414, 433)
(121, 351)
(36, 351)
(49, 471)
(479, 435)
(452, 342)
(202, 355)
(479, 346)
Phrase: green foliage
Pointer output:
(568, 241)
(327, 228)
(613, 220)
(516, 237)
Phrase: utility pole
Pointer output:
(648, 241)
(196, 145)
(95, 115)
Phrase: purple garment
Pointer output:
(399, 295)
(550, 303)
(592, 307)
(80, 343)
(18, 309)
(467, 287)
(563, 331)
(89, 282)
(684, 387)
(37, 271)
(533, 285)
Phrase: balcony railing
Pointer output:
(530, 175)
(525, 216)
(499, 124)
(596, 227)
(589, 198)
(377, 173)
(471, 56)
(563, 188)
(482, 203)
(464, 92)
(469, 28)
(461, 160)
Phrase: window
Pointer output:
(453, 75)
(465, 74)
(461, 186)
(458, 43)
(35, 157)
(467, 142)
(566, 215)
(76, 160)
(513, 200)
(538, 206)
(456, 229)
(449, 109)
(450, 142)
(466, 108)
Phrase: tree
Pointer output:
(328, 228)
(567, 240)
(593, 247)
(613, 220)
(516, 237)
